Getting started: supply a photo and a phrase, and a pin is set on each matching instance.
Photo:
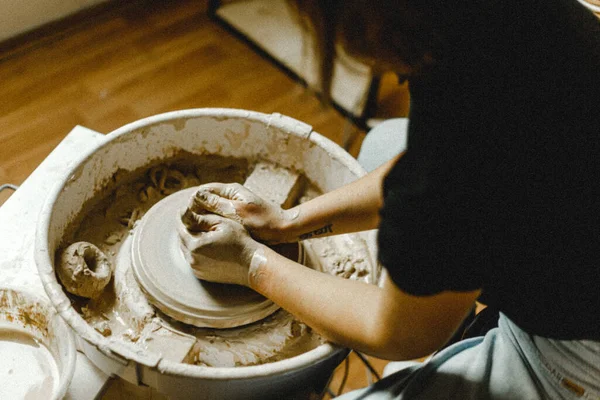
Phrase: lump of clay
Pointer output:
(84, 270)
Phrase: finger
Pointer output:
(203, 200)
(191, 240)
(194, 243)
(230, 191)
(195, 222)
(189, 219)
(235, 192)
(220, 189)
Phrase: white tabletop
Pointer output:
(18, 219)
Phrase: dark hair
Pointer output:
(408, 30)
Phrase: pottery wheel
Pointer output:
(169, 283)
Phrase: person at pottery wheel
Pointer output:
(493, 199)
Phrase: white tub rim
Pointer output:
(122, 352)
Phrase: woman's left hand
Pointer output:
(218, 249)
(263, 219)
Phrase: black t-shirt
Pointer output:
(499, 188)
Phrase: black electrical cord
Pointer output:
(345, 378)
(368, 365)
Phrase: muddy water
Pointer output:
(27, 369)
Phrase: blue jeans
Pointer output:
(506, 363)
(383, 143)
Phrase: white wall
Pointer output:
(18, 16)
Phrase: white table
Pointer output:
(18, 219)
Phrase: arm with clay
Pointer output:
(351, 208)
(386, 322)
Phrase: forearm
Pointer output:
(324, 302)
(380, 321)
(351, 208)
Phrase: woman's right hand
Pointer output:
(263, 219)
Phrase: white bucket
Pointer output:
(37, 349)
(224, 132)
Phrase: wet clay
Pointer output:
(122, 311)
(27, 369)
(84, 270)
(167, 279)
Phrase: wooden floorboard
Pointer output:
(136, 60)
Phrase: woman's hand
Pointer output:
(218, 249)
(263, 219)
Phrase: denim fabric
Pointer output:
(505, 364)
(383, 142)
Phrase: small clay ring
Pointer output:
(84, 270)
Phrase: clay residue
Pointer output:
(274, 338)
(17, 309)
(123, 312)
(345, 256)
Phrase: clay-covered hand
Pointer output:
(261, 217)
(217, 248)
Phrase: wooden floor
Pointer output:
(139, 59)
(136, 59)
